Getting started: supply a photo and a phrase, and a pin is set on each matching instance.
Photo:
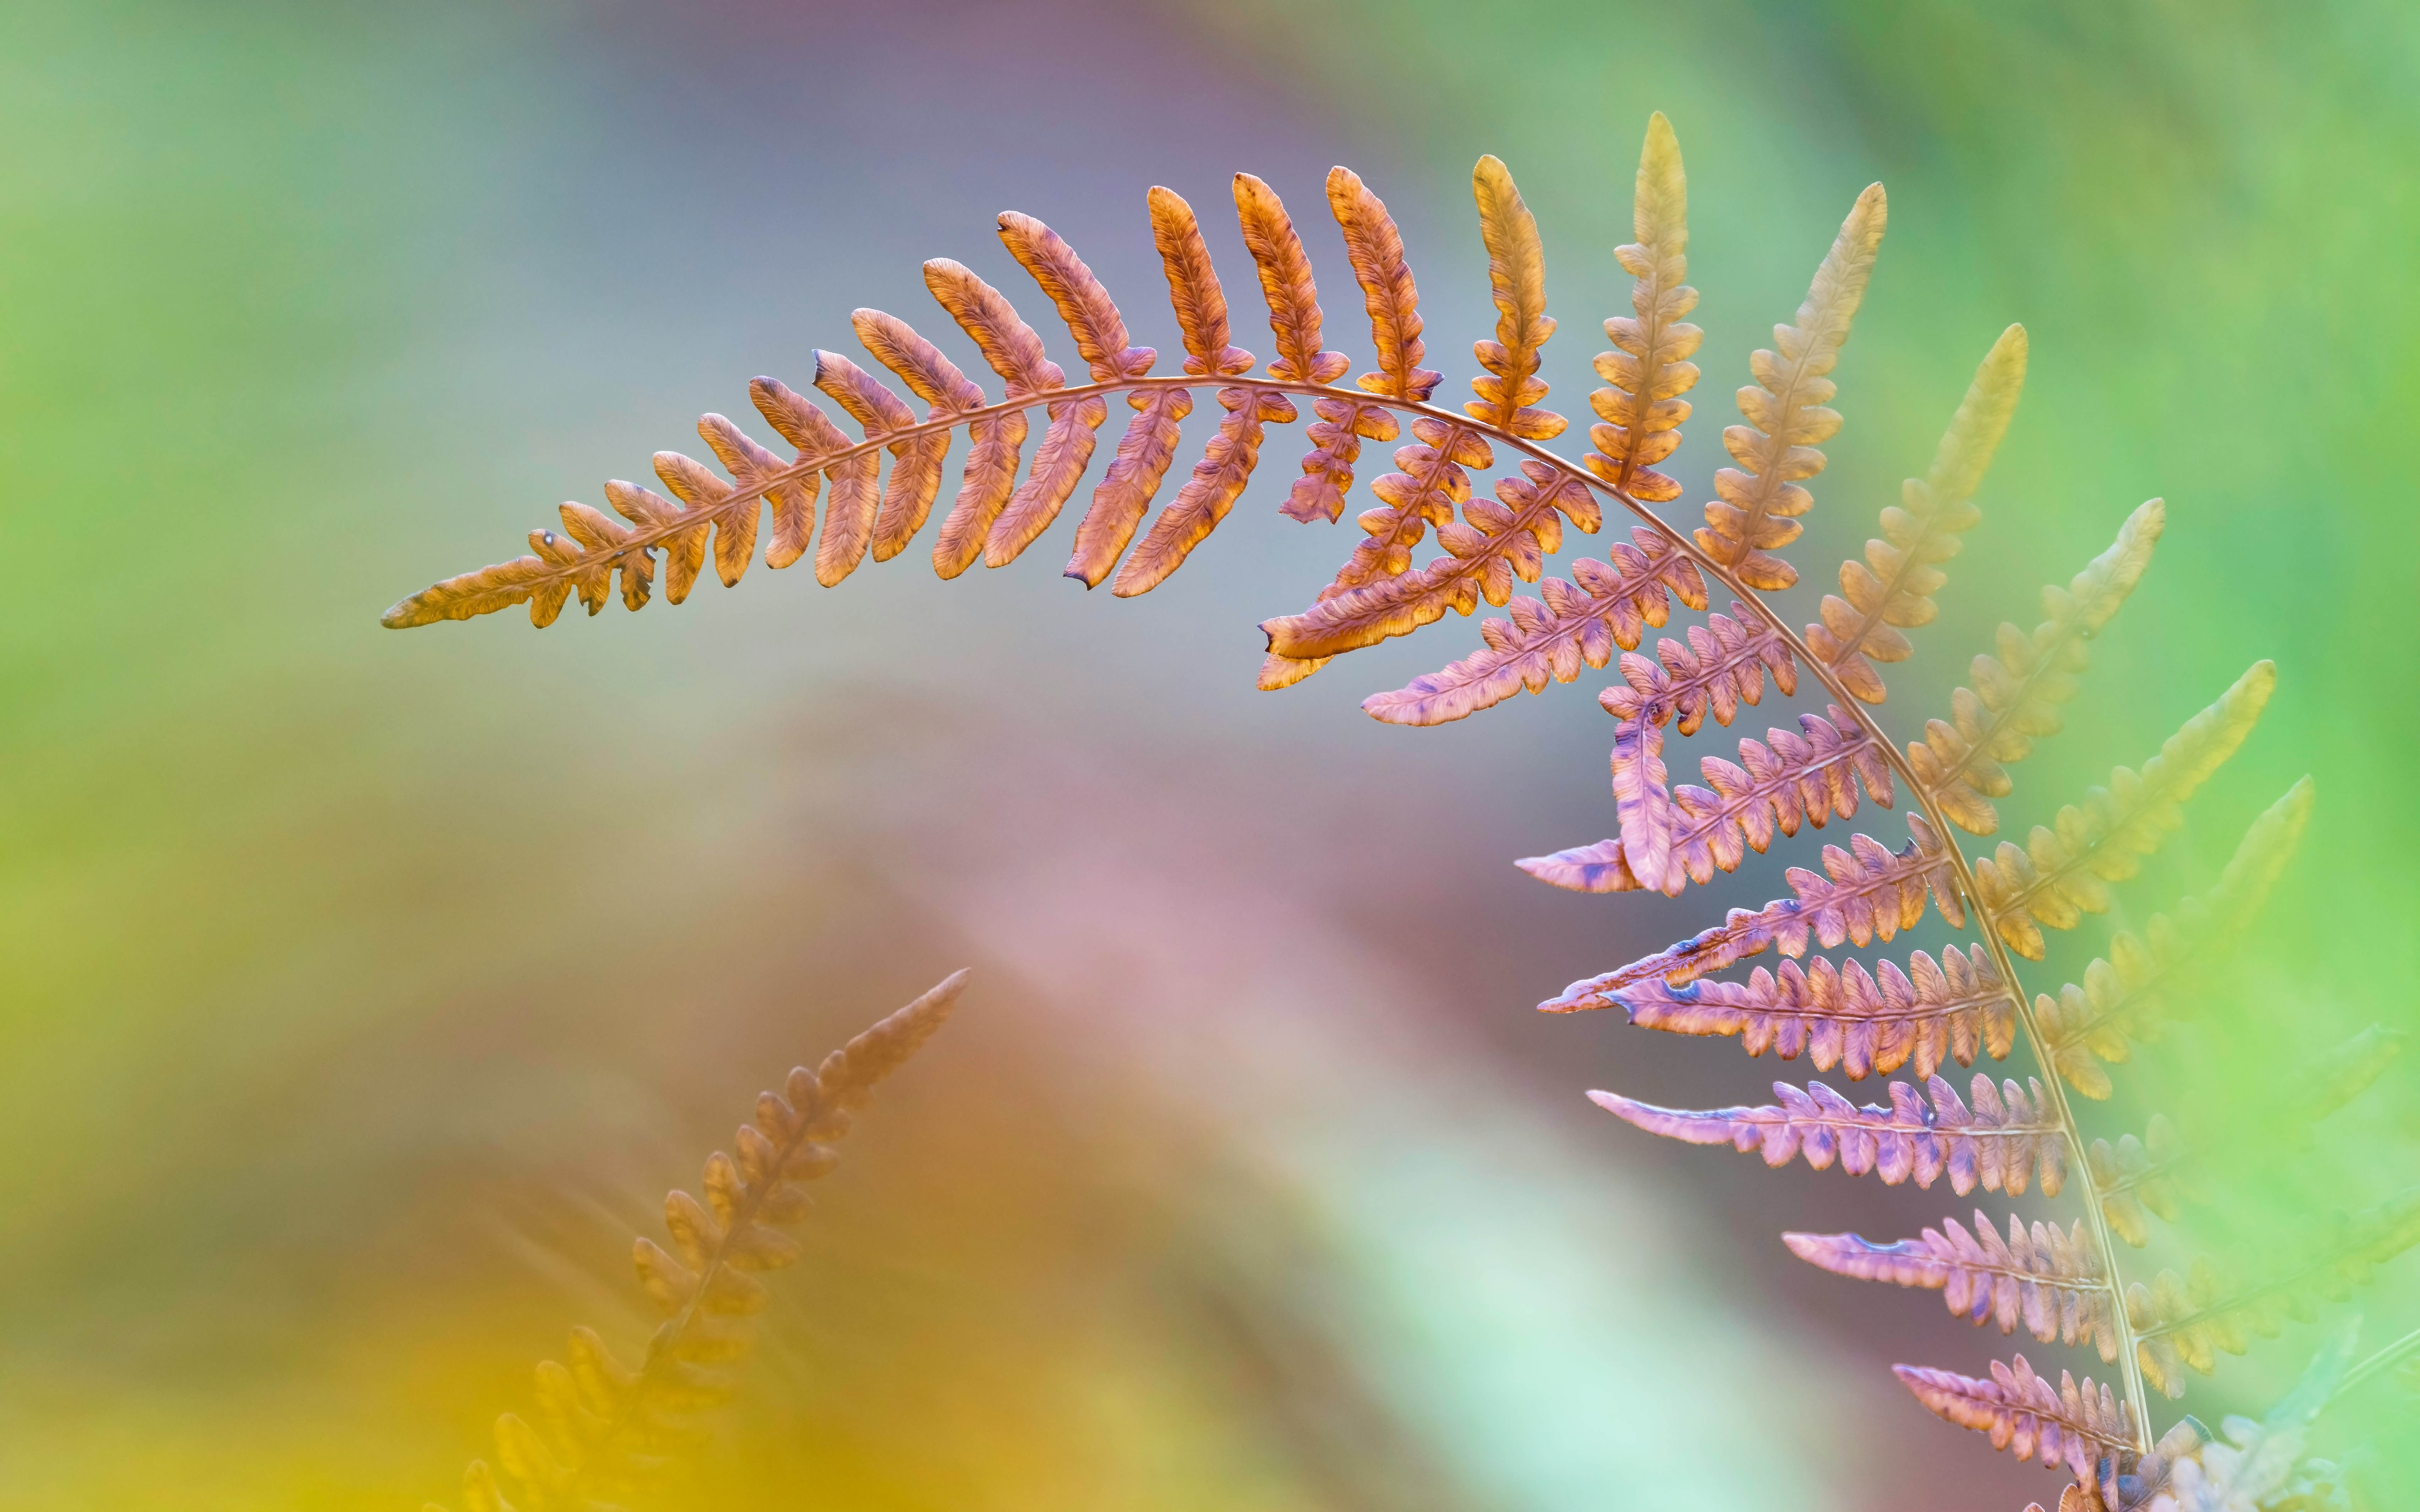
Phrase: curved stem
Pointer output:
(2129, 1366)
(747, 494)
(2384, 1360)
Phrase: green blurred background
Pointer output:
(365, 991)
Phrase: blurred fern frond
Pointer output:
(610, 1428)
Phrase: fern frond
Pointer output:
(2180, 1322)
(1641, 411)
(1409, 502)
(1961, 761)
(2067, 1423)
(2145, 982)
(1149, 445)
(1013, 350)
(2063, 873)
(1217, 482)
(610, 1426)
(1376, 595)
(1553, 636)
(1866, 891)
(1793, 780)
(947, 392)
(1757, 503)
(915, 464)
(2136, 1483)
(1892, 588)
(1219, 477)
(1092, 318)
(2131, 1482)
(1643, 804)
(1492, 545)
(848, 524)
(2005, 1142)
(1516, 275)
(2048, 1278)
(1844, 1016)
(2154, 1173)
(1723, 665)
(1376, 249)
(1286, 282)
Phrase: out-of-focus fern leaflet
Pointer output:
(2146, 980)
(1962, 760)
(1757, 505)
(2063, 872)
(1892, 588)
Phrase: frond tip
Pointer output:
(608, 1423)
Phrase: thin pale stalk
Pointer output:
(2383, 1361)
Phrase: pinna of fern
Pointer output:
(607, 1430)
(2066, 1284)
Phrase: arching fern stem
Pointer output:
(748, 495)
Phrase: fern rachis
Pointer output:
(2064, 1284)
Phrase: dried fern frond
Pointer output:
(1866, 891)
(2145, 982)
(2062, 1282)
(2063, 873)
(1375, 248)
(1640, 409)
(1723, 665)
(1892, 588)
(1809, 777)
(1572, 626)
(2181, 1321)
(2067, 1423)
(1961, 761)
(2048, 1278)
(2005, 1142)
(1373, 598)
(1493, 544)
(1844, 1016)
(610, 1428)
(1757, 504)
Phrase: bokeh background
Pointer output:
(364, 992)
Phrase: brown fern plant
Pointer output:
(2063, 1284)
(611, 1429)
